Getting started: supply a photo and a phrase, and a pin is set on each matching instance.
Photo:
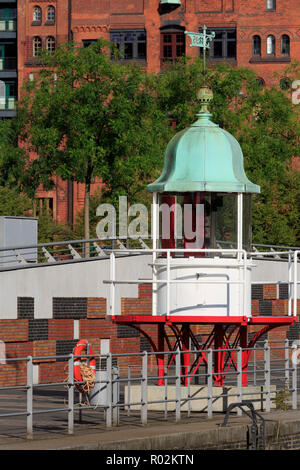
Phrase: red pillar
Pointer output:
(218, 355)
(243, 344)
(186, 355)
(160, 357)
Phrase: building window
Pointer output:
(172, 45)
(51, 14)
(50, 44)
(271, 45)
(260, 82)
(131, 44)
(285, 45)
(285, 83)
(88, 42)
(271, 5)
(223, 45)
(256, 46)
(36, 46)
(7, 95)
(37, 15)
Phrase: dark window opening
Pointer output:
(256, 46)
(285, 45)
(131, 44)
(223, 46)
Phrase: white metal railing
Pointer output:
(242, 257)
(269, 374)
(68, 251)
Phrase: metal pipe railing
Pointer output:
(173, 381)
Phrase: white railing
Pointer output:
(241, 255)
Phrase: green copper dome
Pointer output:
(203, 157)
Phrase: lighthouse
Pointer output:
(201, 252)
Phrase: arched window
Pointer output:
(271, 5)
(50, 44)
(271, 45)
(36, 46)
(285, 83)
(256, 45)
(260, 82)
(37, 14)
(51, 14)
(285, 45)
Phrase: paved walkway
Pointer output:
(190, 433)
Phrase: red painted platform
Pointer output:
(211, 320)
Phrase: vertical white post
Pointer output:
(154, 254)
(144, 388)
(168, 284)
(295, 281)
(112, 286)
(267, 360)
(209, 382)
(243, 289)
(71, 395)
(290, 289)
(240, 222)
(177, 384)
(239, 379)
(29, 398)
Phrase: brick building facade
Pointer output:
(263, 35)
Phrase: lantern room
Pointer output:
(202, 211)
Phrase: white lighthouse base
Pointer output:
(209, 287)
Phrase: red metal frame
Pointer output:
(220, 338)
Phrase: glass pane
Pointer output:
(231, 49)
(168, 51)
(128, 36)
(231, 35)
(179, 38)
(128, 50)
(247, 228)
(218, 49)
(225, 212)
(141, 36)
(167, 38)
(142, 50)
(179, 50)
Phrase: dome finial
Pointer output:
(205, 96)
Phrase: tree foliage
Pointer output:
(266, 124)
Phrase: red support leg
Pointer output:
(186, 355)
(243, 344)
(160, 357)
(218, 355)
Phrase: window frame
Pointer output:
(53, 42)
(174, 44)
(285, 54)
(273, 45)
(35, 50)
(135, 42)
(224, 40)
(254, 53)
(51, 20)
(37, 11)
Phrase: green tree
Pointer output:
(86, 116)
